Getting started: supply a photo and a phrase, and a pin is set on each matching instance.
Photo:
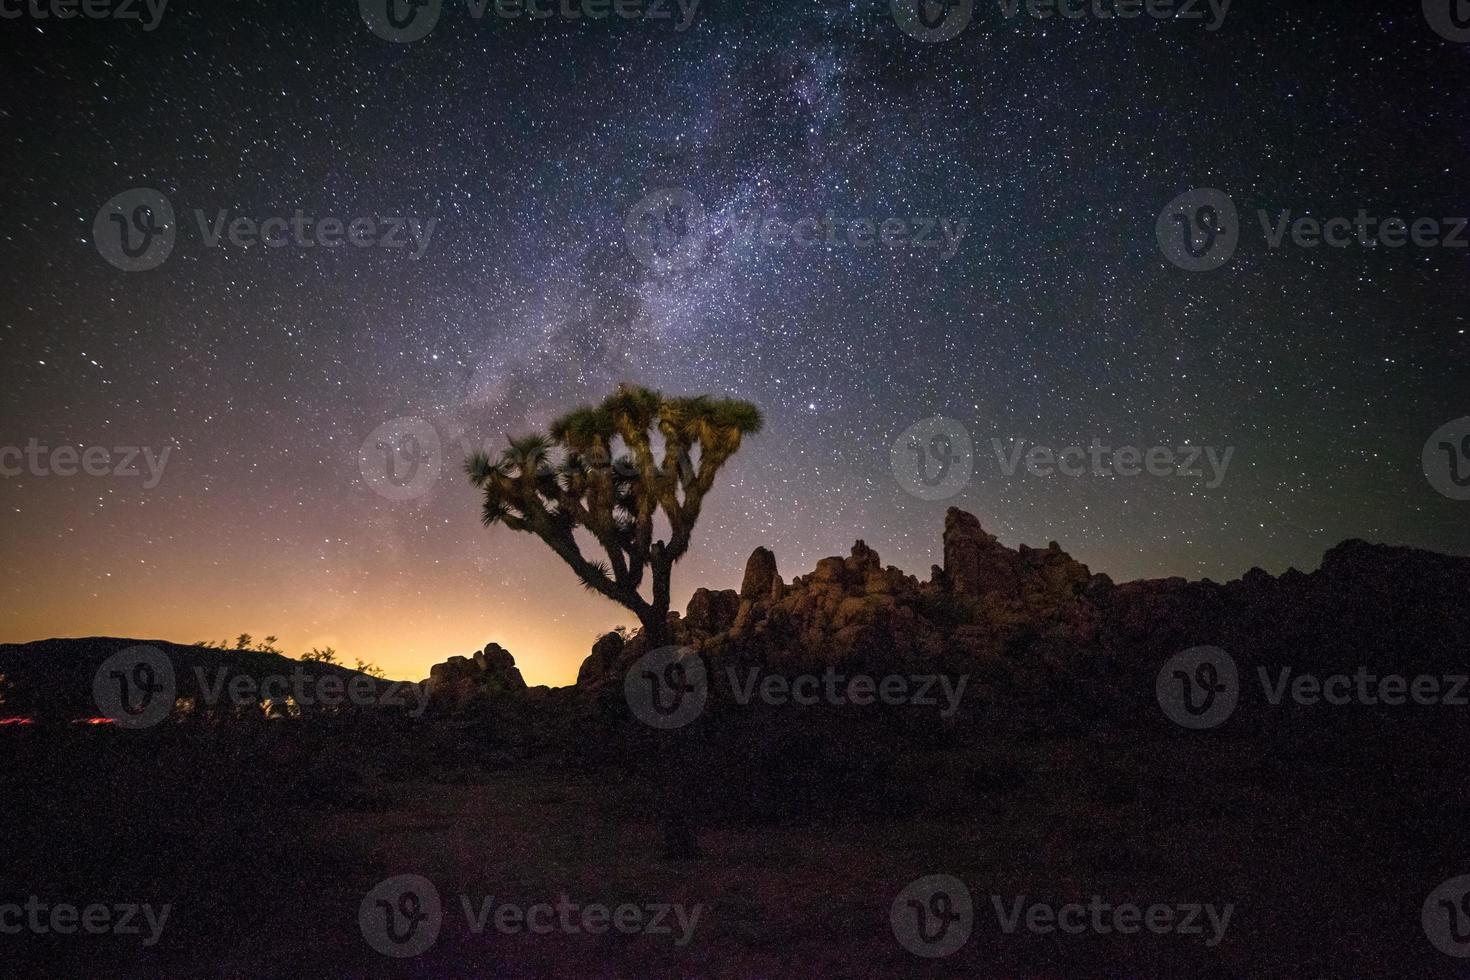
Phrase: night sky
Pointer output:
(1056, 318)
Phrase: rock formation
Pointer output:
(760, 575)
(603, 661)
(711, 612)
(1034, 627)
(460, 681)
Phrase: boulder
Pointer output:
(499, 671)
(862, 561)
(602, 661)
(760, 575)
(829, 570)
(712, 611)
(459, 681)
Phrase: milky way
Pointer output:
(1050, 316)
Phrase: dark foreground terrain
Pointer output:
(265, 845)
(1103, 800)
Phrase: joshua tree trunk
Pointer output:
(656, 629)
(655, 618)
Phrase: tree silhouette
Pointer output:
(603, 470)
(327, 656)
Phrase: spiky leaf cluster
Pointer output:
(610, 469)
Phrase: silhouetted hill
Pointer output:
(54, 679)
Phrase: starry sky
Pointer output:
(1057, 318)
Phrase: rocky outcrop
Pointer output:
(712, 612)
(1041, 635)
(974, 561)
(460, 681)
(760, 575)
(846, 608)
(977, 565)
(854, 610)
(603, 661)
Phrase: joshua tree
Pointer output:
(601, 471)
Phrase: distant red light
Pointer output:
(75, 721)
